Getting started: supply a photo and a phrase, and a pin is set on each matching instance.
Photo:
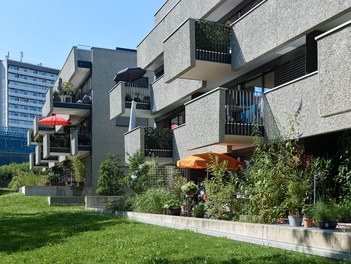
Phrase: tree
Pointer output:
(110, 177)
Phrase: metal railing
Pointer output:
(158, 142)
(212, 41)
(244, 112)
(140, 94)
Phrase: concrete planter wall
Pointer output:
(52, 191)
(312, 241)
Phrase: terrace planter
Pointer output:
(327, 224)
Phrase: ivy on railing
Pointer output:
(212, 41)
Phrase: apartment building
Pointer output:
(223, 68)
(22, 91)
(91, 135)
(23, 87)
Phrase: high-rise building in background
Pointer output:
(22, 95)
(23, 87)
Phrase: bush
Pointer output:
(199, 210)
(325, 212)
(110, 180)
(220, 191)
(30, 178)
(123, 204)
(151, 201)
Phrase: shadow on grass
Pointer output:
(6, 191)
(27, 232)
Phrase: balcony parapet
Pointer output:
(122, 95)
(198, 50)
(153, 142)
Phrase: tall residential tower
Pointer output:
(22, 88)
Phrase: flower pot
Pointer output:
(308, 222)
(173, 211)
(295, 220)
(327, 224)
(191, 192)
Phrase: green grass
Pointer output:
(33, 232)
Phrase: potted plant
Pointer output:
(56, 96)
(68, 90)
(189, 188)
(173, 206)
(308, 215)
(137, 98)
(79, 170)
(326, 215)
(199, 210)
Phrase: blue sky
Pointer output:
(46, 30)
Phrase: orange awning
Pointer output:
(200, 161)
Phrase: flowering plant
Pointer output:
(190, 186)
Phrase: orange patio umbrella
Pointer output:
(200, 161)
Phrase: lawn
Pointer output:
(33, 232)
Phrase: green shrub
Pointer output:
(151, 201)
(30, 178)
(199, 210)
(123, 204)
(220, 191)
(110, 180)
(79, 169)
(325, 212)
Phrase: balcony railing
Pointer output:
(60, 142)
(158, 142)
(244, 112)
(84, 142)
(212, 41)
(139, 94)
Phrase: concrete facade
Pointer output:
(323, 95)
(151, 47)
(289, 20)
(92, 73)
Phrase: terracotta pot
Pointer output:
(308, 222)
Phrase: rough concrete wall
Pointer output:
(162, 12)
(323, 96)
(106, 136)
(179, 51)
(204, 126)
(152, 46)
(134, 141)
(69, 67)
(165, 94)
(334, 62)
(276, 22)
(117, 100)
(48, 105)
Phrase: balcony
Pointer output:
(76, 111)
(198, 50)
(154, 142)
(80, 144)
(57, 144)
(221, 117)
(243, 113)
(173, 94)
(167, 20)
(121, 96)
(38, 131)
